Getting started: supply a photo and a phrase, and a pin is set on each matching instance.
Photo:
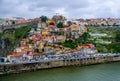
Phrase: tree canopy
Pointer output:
(43, 18)
(117, 36)
(60, 25)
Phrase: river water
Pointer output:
(101, 72)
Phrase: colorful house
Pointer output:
(41, 25)
(15, 58)
(23, 42)
(57, 50)
(48, 49)
(22, 21)
(75, 30)
(45, 32)
(60, 38)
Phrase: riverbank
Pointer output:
(36, 65)
(99, 72)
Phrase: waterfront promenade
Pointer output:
(52, 63)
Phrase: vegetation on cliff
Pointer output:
(11, 38)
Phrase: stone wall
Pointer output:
(16, 68)
(2, 28)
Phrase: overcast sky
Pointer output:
(68, 8)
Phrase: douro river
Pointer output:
(101, 72)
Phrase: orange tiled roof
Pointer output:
(45, 32)
(23, 39)
(85, 29)
(48, 47)
(22, 21)
(35, 38)
(52, 36)
(35, 53)
(57, 49)
(67, 48)
(51, 26)
(15, 55)
(24, 47)
(74, 26)
(79, 47)
(87, 47)
(44, 52)
(89, 44)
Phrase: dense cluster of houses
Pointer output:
(14, 20)
(98, 21)
(41, 44)
(92, 21)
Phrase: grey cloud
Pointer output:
(69, 8)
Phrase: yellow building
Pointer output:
(45, 32)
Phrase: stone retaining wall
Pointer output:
(16, 68)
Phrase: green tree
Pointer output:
(69, 23)
(86, 37)
(70, 44)
(60, 25)
(43, 18)
(102, 24)
(117, 36)
(13, 22)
